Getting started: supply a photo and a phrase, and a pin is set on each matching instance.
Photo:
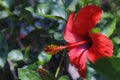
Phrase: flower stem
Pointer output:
(58, 69)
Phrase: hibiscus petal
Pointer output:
(86, 19)
(82, 64)
(68, 32)
(77, 57)
(101, 47)
(82, 73)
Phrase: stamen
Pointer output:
(53, 49)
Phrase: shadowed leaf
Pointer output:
(108, 67)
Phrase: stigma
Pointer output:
(53, 49)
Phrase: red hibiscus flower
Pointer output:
(82, 44)
(78, 31)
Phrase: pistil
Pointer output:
(53, 49)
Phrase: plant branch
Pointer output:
(12, 69)
(58, 69)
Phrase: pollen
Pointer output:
(52, 49)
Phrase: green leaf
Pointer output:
(15, 55)
(46, 75)
(58, 35)
(85, 2)
(58, 10)
(106, 15)
(26, 53)
(64, 78)
(44, 1)
(108, 67)
(3, 14)
(43, 57)
(96, 30)
(72, 5)
(68, 2)
(118, 52)
(48, 10)
(4, 4)
(33, 66)
(109, 27)
(9, 2)
(27, 16)
(25, 74)
(116, 39)
(90, 72)
(3, 50)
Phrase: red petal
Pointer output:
(101, 47)
(82, 72)
(82, 65)
(86, 19)
(75, 55)
(68, 33)
(78, 56)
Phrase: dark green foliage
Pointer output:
(27, 26)
(108, 67)
(3, 50)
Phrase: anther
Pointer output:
(52, 49)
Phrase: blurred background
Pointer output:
(27, 26)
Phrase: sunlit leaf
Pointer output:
(95, 30)
(49, 10)
(58, 10)
(43, 57)
(64, 78)
(118, 52)
(15, 55)
(25, 74)
(3, 50)
(85, 2)
(26, 53)
(116, 39)
(33, 66)
(4, 4)
(3, 14)
(58, 35)
(106, 15)
(41, 9)
(52, 16)
(72, 5)
(109, 27)
(108, 67)
(9, 2)
(44, 1)
(90, 73)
